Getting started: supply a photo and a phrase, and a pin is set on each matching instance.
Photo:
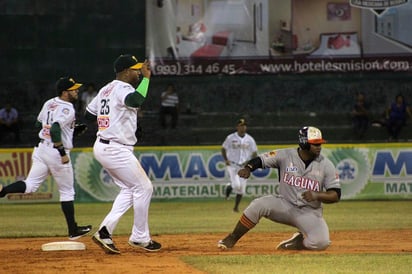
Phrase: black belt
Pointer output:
(106, 142)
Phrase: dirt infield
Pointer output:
(24, 255)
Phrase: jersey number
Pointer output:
(105, 109)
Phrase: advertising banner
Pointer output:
(201, 37)
(376, 171)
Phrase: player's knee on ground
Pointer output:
(316, 244)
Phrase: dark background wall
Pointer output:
(42, 40)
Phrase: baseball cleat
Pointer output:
(294, 243)
(221, 245)
(227, 242)
(151, 246)
(103, 239)
(228, 190)
(80, 231)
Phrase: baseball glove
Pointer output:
(79, 129)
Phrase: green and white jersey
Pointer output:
(62, 112)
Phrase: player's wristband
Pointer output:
(61, 150)
(255, 163)
(143, 87)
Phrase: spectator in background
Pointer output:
(396, 116)
(9, 122)
(360, 116)
(169, 106)
(87, 96)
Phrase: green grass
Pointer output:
(195, 216)
(320, 263)
(216, 216)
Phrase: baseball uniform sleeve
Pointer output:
(253, 146)
(64, 116)
(92, 106)
(271, 158)
(331, 179)
(225, 144)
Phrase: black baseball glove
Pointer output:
(79, 129)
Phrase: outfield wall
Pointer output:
(367, 171)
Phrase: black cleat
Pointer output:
(294, 243)
(104, 240)
(227, 242)
(151, 246)
(80, 231)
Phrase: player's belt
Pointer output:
(236, 163)
(106, 142)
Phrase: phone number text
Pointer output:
(190, 69)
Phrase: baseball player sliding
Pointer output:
(116, 107)
(307, 179)
(52, 155)
(238, 148)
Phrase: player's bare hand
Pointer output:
(244, 173)
(146, 72)
(65, 159)
(310, 196)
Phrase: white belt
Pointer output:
(236, 163)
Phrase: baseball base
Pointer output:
(66, 245)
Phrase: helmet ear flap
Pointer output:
(304, 146)
(303, 138)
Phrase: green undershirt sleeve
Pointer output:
(55, 133)
(137, 98)
(143, 87)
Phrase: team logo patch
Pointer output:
(270, 153)
(291, 169)
(66, 111)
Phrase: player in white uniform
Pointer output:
(116, 108)
(238, 148)
(52, 154)
(307, 179)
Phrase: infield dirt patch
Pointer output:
(24, 255)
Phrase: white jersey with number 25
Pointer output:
(116, 121)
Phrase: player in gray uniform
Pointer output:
(52, 155)
(307, 179)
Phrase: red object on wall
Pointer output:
(221, 38)
(210, 50)
(294, 41)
